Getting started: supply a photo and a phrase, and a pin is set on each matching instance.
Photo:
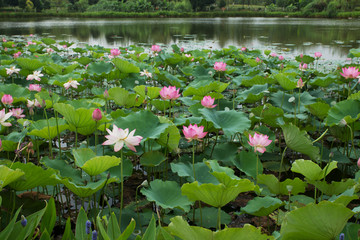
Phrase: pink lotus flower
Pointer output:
(281, 58)
(30, 43)
(16, 55)
(12, 70)
(220, 66)
(17, 112)
(208, 102)
(187, 55)
(243, 49)
(146, 73)
(96, 115)
(49, 50)
(193, 132)
(7, 99)
(35, 76)
(257, 59)
(4, 40)
(259, 142)
(182, 49)
(350, 72)
(273, 54)
(169, 93)
(155, 48)
(4, 117)
(71, 83)
(300, 83)
(119, 136)
(301, 55)
(318, 54)
(34, 87)
(303, 67)
(115, 52)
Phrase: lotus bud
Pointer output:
(94, 235)
(7, 99)
(96, 115)
(289, 188)
(106, 94)
(331, 155)
(342, 123)
(291, 99)
(145, 183)
(23, 221)
(88, 227)
(358, 163)
(182, 49)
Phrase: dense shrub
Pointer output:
(105, 5)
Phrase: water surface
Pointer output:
(332, 37)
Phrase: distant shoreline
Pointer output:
(173, 14)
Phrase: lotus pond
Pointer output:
(151, 143)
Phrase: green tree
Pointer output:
(200, 5)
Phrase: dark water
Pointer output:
(333, 38)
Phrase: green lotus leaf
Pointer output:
(281, 100)
(216, 169)
(82, 155)
(217, 195)
(231, 122)
(171, 137)
(59, 80)
(152, 158)
(347, 110)
(311, 170)
(79, 119)
(202, 172)
(334, 188)
(246, 162)
(49, 100)
(203, 87)
(299, 141)
(146, 124)
(125, 66)
(305, 59)
(344, 198)
(287, 81)
(54, 68)
(153, 92)
(321, 221)
(8, 175)
(262, 206)
(84, 60)
(209, 217)
(268, 114)
(224, 152)
(167, 195)
(254, 94)
(319, 109)
(64, 169)
(48, 129)
(298, 186)
(250, 81)
(99, 164)
(122, 97)
(99, 68)
(29, 64)
(180, 228)
(160, 104)
(355, 96)
(170, 79)
(35, 176)
(323, 81)
(89, 189)
(127, 169)
(251, 62)
(19, 94)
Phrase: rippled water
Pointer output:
(292, 36)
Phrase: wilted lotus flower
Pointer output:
(96, 115)
(4, 117)
(318, 54)
(12, 70)
(118, 136)
(350, 72)
(35, 76)
(17, 112)
(208, 102)
(155, 48)
(259, 142)
(169, 93)
(7, 99)
(34, 87)
(71, 83)
(220, 66)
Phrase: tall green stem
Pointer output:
(281, 163)
(219, 218)
(50, 145)
(96, 137)
(193, 159)
(122, 187)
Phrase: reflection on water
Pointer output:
(333, 38)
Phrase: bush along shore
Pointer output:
(153, 143)
(175, 14)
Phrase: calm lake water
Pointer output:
(288, 36)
